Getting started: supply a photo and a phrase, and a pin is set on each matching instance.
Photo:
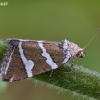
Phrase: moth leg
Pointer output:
(51, 73)
(72, 69)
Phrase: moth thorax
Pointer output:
(80, 54)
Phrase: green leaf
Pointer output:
(84, 82)
(2, 49)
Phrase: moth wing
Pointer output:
(25, 59)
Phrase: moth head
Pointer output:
(81, 54)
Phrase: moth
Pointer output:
(26, 58)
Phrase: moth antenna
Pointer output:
(91, 38)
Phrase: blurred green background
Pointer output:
(53, 20)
